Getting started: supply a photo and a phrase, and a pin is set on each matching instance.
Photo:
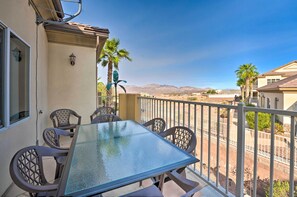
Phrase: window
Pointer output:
(1, 76)
(268, 103)
(275, 102)
(269, 81)
(262, 101)
(14, 77)
(19, 79)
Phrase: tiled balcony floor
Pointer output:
(170, 189)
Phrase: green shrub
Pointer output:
(211, 91)
(192, 98)
(264, 121)
(250, 105)
(279, 128)
(280, 189)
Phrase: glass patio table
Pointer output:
(107, 156)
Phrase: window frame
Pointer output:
(6, 116)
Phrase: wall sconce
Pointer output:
(17, 54)
(72, 58)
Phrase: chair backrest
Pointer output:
(102, 111)
(105, 118)
(157, 125)
(51, 137)
(182, 137)
(62, 116)
(26, 168)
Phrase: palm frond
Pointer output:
(104, 63)
(123, 88)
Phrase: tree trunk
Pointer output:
(109, 80)
(247, 85)
(242, 92)
(251, 90)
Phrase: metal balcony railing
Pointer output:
(222, 134)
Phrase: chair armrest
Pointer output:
(54, 122)
(78, 117)
(185, 184)
(192, 192)
(63, 132)
(39, 188)
(46, 151)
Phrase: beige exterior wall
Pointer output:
(263, 81)
(290, 103)
(129, 107)
(72, 87)
(287, 101)
(20, 17)
(272, 99)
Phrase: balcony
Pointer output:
(230, 153)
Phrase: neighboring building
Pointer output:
(36, 76)
(280, 95)
(273, 76)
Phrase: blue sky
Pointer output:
(195, 42)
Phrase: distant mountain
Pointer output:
(155, 89)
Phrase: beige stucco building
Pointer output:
(277, 89)
(36, 76)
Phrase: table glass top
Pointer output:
(112, 152)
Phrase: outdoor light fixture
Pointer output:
(72, 58)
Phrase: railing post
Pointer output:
(240, 150)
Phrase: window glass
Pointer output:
(19, 79)
(1, 77)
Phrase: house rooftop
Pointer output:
(74, 27)
(286, 70)
(289, 83)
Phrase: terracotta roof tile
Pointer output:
(77, 27)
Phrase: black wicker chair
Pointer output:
(157, 125)
(26, 170)
(102, 111)
(183, 138)
(105, 118)
(61, 119)
(51, 137)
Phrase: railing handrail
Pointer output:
(184, 111)
(193, 102)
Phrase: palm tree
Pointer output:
(110, 56)
(247, 73)
(241, 84)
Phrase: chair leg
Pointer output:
(58, 172)
(71, 130)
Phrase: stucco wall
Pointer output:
(263, 81)
(290, 103)
(272, 96)
(20, 17)
(72, 87)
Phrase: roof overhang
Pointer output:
(77, 34)
(278, 89)
(48, 9)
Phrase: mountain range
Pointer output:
(155, 89)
